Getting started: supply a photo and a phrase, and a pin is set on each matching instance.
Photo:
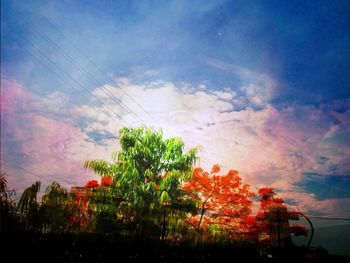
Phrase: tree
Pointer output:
(59, 211)
(272, 220)
(147, 173)
(223, 201)
(9, 220)
(29, 207)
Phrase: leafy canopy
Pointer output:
(223, 200)
(148, 170)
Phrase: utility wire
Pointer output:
(95, 106)
(34, 159)
(330, 218)
(65, 73)
(82, 70)
(26, 171)
(97, 67)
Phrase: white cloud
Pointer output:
(258, 88)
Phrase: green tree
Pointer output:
(148, 172)
(9, 219)
(58, 210)
(28, 207)
(103, 210)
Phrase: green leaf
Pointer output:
(164, 198)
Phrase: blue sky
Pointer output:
(262, 86)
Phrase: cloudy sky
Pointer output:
(260, 86)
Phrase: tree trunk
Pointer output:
(163, 228)
(200, 220)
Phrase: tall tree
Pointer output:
(29, 207)
(272, 219)
(223, 201)
(147, 172)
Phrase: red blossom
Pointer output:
(260, 215)
(106, 180)
(278, 200)
(215, 169)
(250, 220)
(266, 191)
(92, 184)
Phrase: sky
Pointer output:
(262, 87)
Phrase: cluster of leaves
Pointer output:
(57, 212)
(147, 177)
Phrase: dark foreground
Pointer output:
(25, 247)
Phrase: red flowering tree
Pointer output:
(223, 201)
(269, 204)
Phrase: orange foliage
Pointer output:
(92, 184)
(278, 200)
(266, 192)
(221, 199)
(268, 201)
(215, 169)
(106, 181)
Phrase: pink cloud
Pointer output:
(14, 96)
(14, 99)
(48, 149)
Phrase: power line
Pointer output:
(94, 105)
(97, 67)
(12, 163)
(321, 182)
(330, 218)
(82, 70)
(26, 171)
(29, 172)
(34, 159)
(67, 75)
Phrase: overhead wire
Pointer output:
(43, 170)
(94, 105)
(25, 170)
(98, 68)
(77, 66)
(330, 218)
(80, 68)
